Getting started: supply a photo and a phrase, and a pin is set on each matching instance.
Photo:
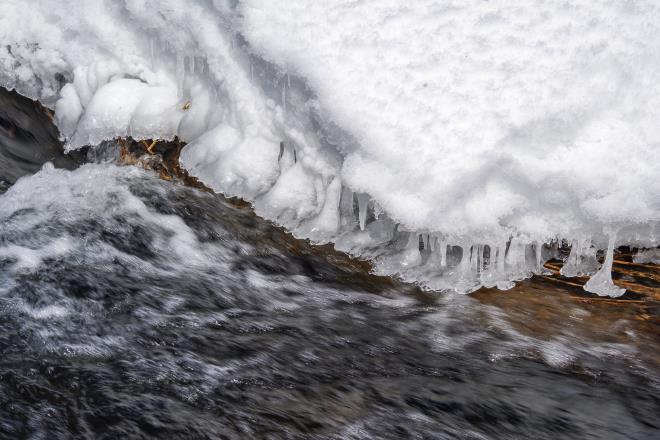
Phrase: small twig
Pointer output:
(150, 148)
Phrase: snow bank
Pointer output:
(454, 143)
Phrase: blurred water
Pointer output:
(132, 307)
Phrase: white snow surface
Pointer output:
(487, 131)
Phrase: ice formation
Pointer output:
(454, 143)
(646, 256)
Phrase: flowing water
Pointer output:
(135, 307)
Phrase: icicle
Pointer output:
(569, 269)
(203, 67)
(511, 256)
(252, 72)
(520, 258)
(432, 243)
(284, 97)
(474, 259)
(588, 260)
(500, 278)
(443, 253)
(464, 265)
(413, 241)
(363, 203)
(581, 260)
(180, 74)
(522, 269)
(538, 247)
(479, 249)
(346, 206)
(411, 256)
(601, 283)
(488, 274)
(466, 279)
(152, 52)
(501, 251)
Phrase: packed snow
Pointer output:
(456, 144)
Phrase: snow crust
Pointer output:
(456, 144)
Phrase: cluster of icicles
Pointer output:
(441, 262)
(351, 220)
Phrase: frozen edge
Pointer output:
(436, 261)
(299, 184)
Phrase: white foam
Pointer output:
(52, 311)
(98, 192)
(28, 258)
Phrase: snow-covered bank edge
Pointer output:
(421, 250)
(256, 131)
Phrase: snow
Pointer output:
(492, 130)
(109, 111)
(483, 102)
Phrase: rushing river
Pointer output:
(135, 307)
